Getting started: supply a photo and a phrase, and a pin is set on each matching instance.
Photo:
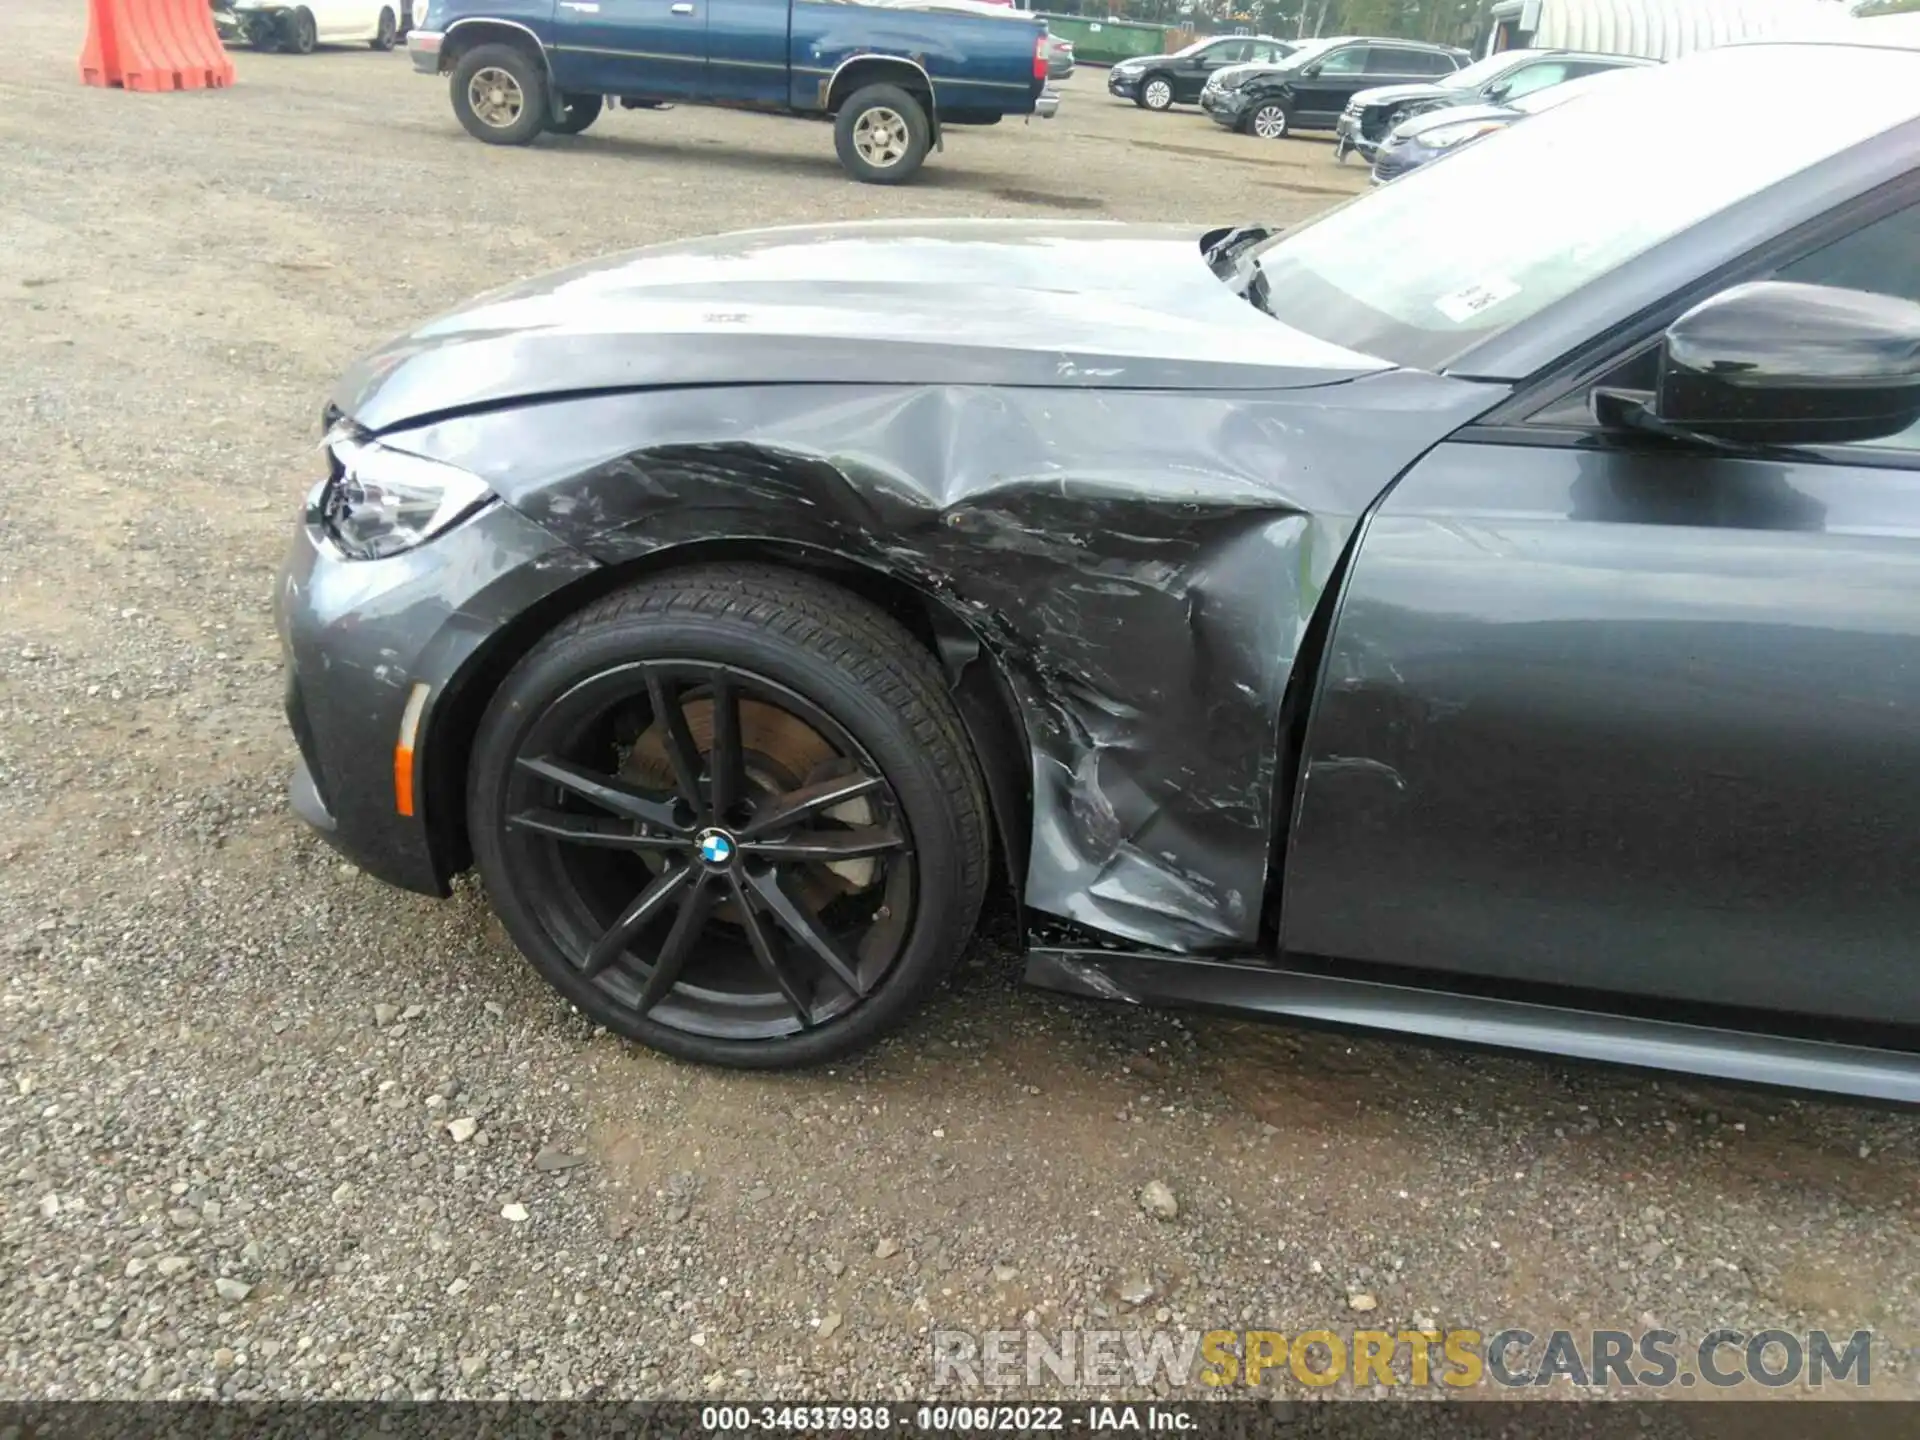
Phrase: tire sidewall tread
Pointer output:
(532, 77)
(919, 133)
(843, 654)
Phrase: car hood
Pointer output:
(1400, 94)
(961, 302)
(1452, 115)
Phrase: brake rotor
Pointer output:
(782, 753)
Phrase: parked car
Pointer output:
(1158, 81)
(1428, 136)
(1308, 90)
(1509, 75)
(1483, 611)
(300, 29)
(1059, 57)
(893, 77)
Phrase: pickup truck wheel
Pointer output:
(577, 113)
(388, 32)
(1156, 92)
(882, 135)
(500, 94)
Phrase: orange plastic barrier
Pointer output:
(154, 45)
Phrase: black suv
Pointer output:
(1501, 77)
(1311, 87)
(1157, 81)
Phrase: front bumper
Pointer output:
(1229, 108)
(1348, 139)
(1391, 161)
(1125, 86)
(423, 48)
(358, 636)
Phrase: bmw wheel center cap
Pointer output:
(716, 847)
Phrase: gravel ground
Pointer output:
(270, 1129)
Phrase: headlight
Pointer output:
(380, 501)
(1445, 137)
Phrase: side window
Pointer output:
(1535, 77)
(1267, 53)
(1883, 257)
(1350, 61)
(1391, 60)
(1229, 52)
(1433, 62)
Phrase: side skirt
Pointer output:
(1257, 991)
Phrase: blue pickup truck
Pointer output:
(891, 74)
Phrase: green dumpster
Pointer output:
(1102, 42)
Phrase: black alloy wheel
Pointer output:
(691, 827)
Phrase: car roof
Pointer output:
(1326, 40)
(1867, 32)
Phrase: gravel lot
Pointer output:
(228, 1063)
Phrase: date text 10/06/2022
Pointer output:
(951, 1419)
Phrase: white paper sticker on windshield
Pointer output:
(1462, 305)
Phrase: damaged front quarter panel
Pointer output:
(1141, 565)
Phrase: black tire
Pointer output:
(577, 112)
(1263, 119)
(858, 672)
(526, 73)
(388, 33)
(866, 107)
(298, 34)
(1160, 100)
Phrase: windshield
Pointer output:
(1300, 54)
(1419, 271)
(1534, 101)
(1481, 71)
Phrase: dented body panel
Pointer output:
(1126, 483)
(1141, 566)
(1009, 304)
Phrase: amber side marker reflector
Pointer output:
(403, 750)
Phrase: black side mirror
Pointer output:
(1307, 72)
(1772, 363)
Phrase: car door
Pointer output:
(341, 22)
(1622, 716)
(1338, 75)
(650, 48)
(1191, 77)
(747, 56)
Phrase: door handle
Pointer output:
(682, 8)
